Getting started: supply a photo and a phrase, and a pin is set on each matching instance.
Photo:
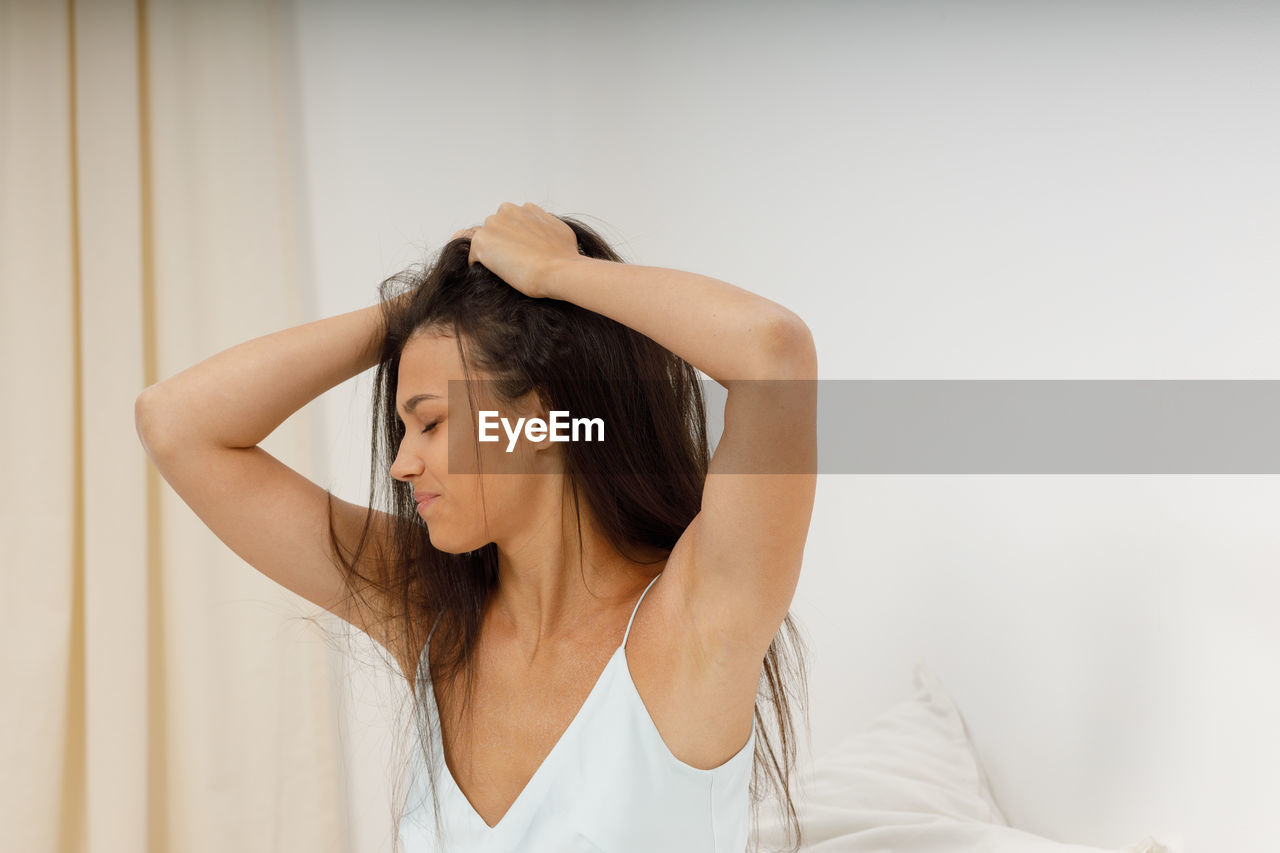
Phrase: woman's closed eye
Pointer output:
(431, 426)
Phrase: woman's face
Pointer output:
(442, 459)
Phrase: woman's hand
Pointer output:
(521, 244)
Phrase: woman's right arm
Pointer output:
(201, 428)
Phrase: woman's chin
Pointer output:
(443, 543)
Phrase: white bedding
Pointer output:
(910, 783)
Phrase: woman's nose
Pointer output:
(406, 465)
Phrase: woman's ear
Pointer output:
(536, 404)
(545, 403)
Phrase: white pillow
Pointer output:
(910, 783)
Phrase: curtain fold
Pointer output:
(159, 693)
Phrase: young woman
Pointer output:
(585, 623)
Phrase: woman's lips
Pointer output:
(425, 499)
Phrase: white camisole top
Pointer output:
(609, 784)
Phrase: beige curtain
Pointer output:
(157, 694)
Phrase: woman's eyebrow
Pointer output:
(409, 405)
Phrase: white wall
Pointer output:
(941, 190)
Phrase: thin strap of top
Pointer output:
(637, 607)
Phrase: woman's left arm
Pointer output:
(739, 560)
(726, 332)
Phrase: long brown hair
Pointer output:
(643, 486)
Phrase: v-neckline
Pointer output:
(546, 759)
